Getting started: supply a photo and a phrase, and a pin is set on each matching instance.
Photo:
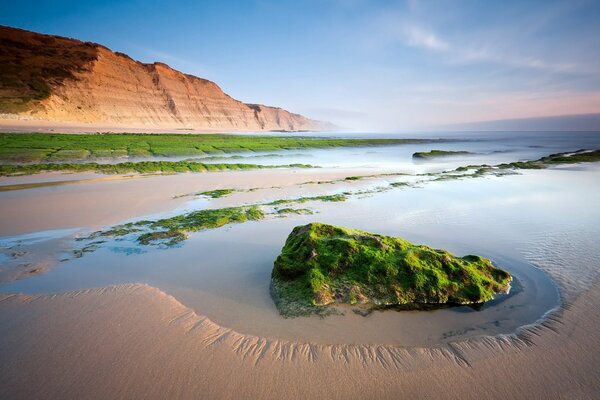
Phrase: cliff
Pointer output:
(52, 78)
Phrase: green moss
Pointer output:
(123, 230)
(439, 153)
(120, 230)
(327, 198)
(89, 248)
(205, 219)
(580, 156)
(400, 184)
(218, 193)
(353, 178)
(168, 238)
(174, 230)
(18, 146)
(523, 165)
(68, 155)
(324, 264)
(299, 211)
(117, 231)
(143, 167)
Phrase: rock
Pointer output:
(321, 265)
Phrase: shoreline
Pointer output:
(34, 125)
(521, 335)
(109, 200)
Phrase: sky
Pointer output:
(360, 64)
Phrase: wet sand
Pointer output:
(71, 181)
(148, 345)
(106, 200)
(33, 254)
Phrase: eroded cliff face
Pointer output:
(58, 79)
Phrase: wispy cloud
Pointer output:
(423, 38)
(521, 46)
(472, 55)
(418, 37)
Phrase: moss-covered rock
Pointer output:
(321, 265)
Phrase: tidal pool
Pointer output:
(541, 226)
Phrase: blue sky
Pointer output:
(366, 65)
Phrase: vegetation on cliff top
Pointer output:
(30, 63)
(321, 265)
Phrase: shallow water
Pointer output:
(546, 219)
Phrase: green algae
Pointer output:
(401, 184)
(439, 153)
(208, 219)
(217, 193)
(32, 147)
(88, 248)
(142, 167)
(121, 230)
(167, 238)
(576, 157)
(580, 156)
(298, 211)
(326, 198)
(174, 230)
(321, 265)
(476, 171)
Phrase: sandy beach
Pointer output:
(26, 124)
(148, 345)
(197, 321)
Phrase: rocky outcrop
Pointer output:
(324, 264)
(59, 79)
